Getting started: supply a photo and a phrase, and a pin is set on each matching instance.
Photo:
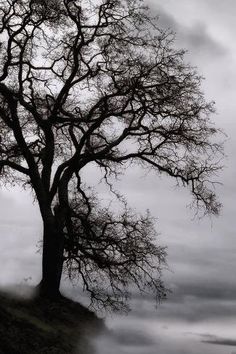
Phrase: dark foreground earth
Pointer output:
(36, 326)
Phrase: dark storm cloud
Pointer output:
(194, 309)
(192, 300)
(191, 310)
(205, 290)
(196, 38)
(210, 339)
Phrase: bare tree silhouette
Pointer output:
(98, 82)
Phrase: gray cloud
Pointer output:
(166, 20)
(195, 38)
(191, 310)
(210, 339)
(192, 300)
(132, 337)
(126, 340)
(198, 40)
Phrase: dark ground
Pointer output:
(36, 326)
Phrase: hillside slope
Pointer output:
(36, 326)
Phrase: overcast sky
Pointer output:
(200, 315)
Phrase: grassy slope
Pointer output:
(36, 326)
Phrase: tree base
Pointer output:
(47, 292)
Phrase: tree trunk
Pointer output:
(52, 262)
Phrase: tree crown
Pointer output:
(98, 82)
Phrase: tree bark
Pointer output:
(52, 261)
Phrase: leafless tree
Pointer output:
(98, 82)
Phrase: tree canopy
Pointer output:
(99, 82)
